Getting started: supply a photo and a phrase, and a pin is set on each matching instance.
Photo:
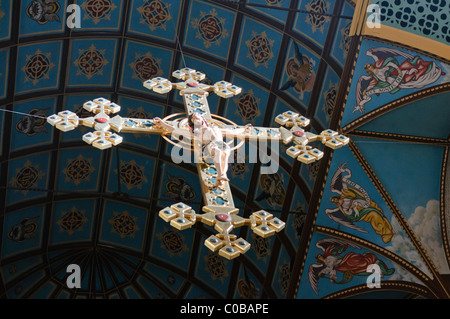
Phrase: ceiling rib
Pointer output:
(400, 138)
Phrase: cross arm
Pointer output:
(102, 123)
(290, 131)
(301, 150)
(224, 220)
(190, 84)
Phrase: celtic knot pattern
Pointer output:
(247, 107)
(91, 62)
(345, 41)
(247, 289)
(78, 170)
(131, 174)
(216, 267)
(285, 275)
(98, 9)
(37, 67)
(155, 13)
(72, 220)
(260, 49)
(27, 177)
(318, 21)
(124, 224)
(173, 242)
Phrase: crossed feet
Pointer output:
(220, 181)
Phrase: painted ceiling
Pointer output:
(382, 200)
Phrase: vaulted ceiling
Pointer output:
(383, 199)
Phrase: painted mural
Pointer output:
(340, 265)
(354, 205)
(384, 73)
(391, 71)
(335, 264)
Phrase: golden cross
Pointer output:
(219, 210)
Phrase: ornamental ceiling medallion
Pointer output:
(260, 49)
(78, 169)
(247, 289)
(210, 28)
(284, 276)
(330, 96)
(216, 267)
(33, 124)
(43, 11)
(318, 20)
(27, 177)
(124, 224)
(72, 221)
(131, 174)
(90, 61)
(247, 107)
(344, 44)
(24, 230)
(178, 189)
(146, 67)
(173, 242)
(155, 14)
(37, 67)
(96, 10)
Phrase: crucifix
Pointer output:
(203, 132)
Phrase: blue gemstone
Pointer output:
(148, 124)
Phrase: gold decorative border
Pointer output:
(410, 39)
(391, 34)
(359, 16)
(385, 285)
(445, 208)
(347, 90)
(401, 137)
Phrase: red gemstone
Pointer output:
(223, 217)
(101, 120)
(299, 133)
(192, 84)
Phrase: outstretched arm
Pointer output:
(236, 131)
(174, 131)
(161, 123)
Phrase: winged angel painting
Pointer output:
(301, 75)
(392, 71)
(335, 258)
(354, 205)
